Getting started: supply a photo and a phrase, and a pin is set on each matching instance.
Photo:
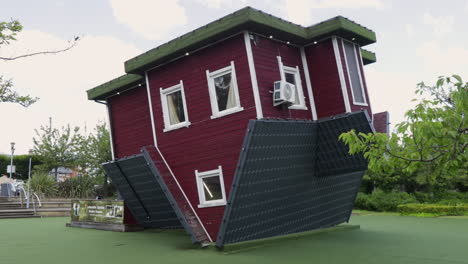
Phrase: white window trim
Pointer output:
(164, 93)
(339, 67)
(297, 78)
(308, 84)
(201, 194)
(210, 76)
(359, 75)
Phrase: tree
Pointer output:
(95, 150)
(21, 162)
(8, 33)
(430, 147)
(57, 148)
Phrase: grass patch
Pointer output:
(382, 239)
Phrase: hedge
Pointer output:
(382, 201)
(436, 209)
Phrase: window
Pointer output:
(292, 75)
(224, 93)
(211, 188)
(174, 107)
(354, 74)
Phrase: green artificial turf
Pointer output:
(381, 239)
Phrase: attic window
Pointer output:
(174, 107)
(224, 93)
(292, 75)
(354, 74)
(211, 188)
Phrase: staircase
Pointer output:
(12, 208)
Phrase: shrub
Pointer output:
(106, 191)
(43, 185)
(423, 197)
(77, 187)
(433, 209)
(383, 202)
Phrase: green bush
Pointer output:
(382, 202)
(433, 209)
(43, 185)
(423, 197)
(106, 191)
(77, 187)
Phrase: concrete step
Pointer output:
(19, 216)
(54, 212)
(54, 204)
(10, 205)
(22, 210)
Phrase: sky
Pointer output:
(416, 41)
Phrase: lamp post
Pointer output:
(11, 162)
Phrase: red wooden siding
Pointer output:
(265, 52)
(325, 79)
(131, 122)
(207, 143)
(381, 122)
(348, 85)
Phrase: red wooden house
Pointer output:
(187, 104)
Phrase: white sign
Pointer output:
(9, 169)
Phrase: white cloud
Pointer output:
(444, 60)
(378, 4)
(211, 3)
(299, 11)
(409, 30)
(60, 81)
(149, 18)
(441, 25)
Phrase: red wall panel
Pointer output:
(381, 122)
(325, 79)
(265, 52)
(130, 127)
(207, 143)
(130, 121)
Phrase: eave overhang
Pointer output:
(246, 19)
(116, 85)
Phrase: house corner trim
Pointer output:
(339, 66)
(253, 75)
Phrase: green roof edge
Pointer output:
(246, 18)
(251, 19)
(368, 57)
(119, 84)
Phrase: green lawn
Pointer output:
(381, 239)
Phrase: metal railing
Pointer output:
(28, 199)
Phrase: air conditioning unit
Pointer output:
(283, 93)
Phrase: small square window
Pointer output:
(174, 107)
(292, 75)
(224, 93)
(211, 188)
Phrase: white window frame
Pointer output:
(297, 78)
(359, 74)
(210, 76)
(201, 193)
(164, 93)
